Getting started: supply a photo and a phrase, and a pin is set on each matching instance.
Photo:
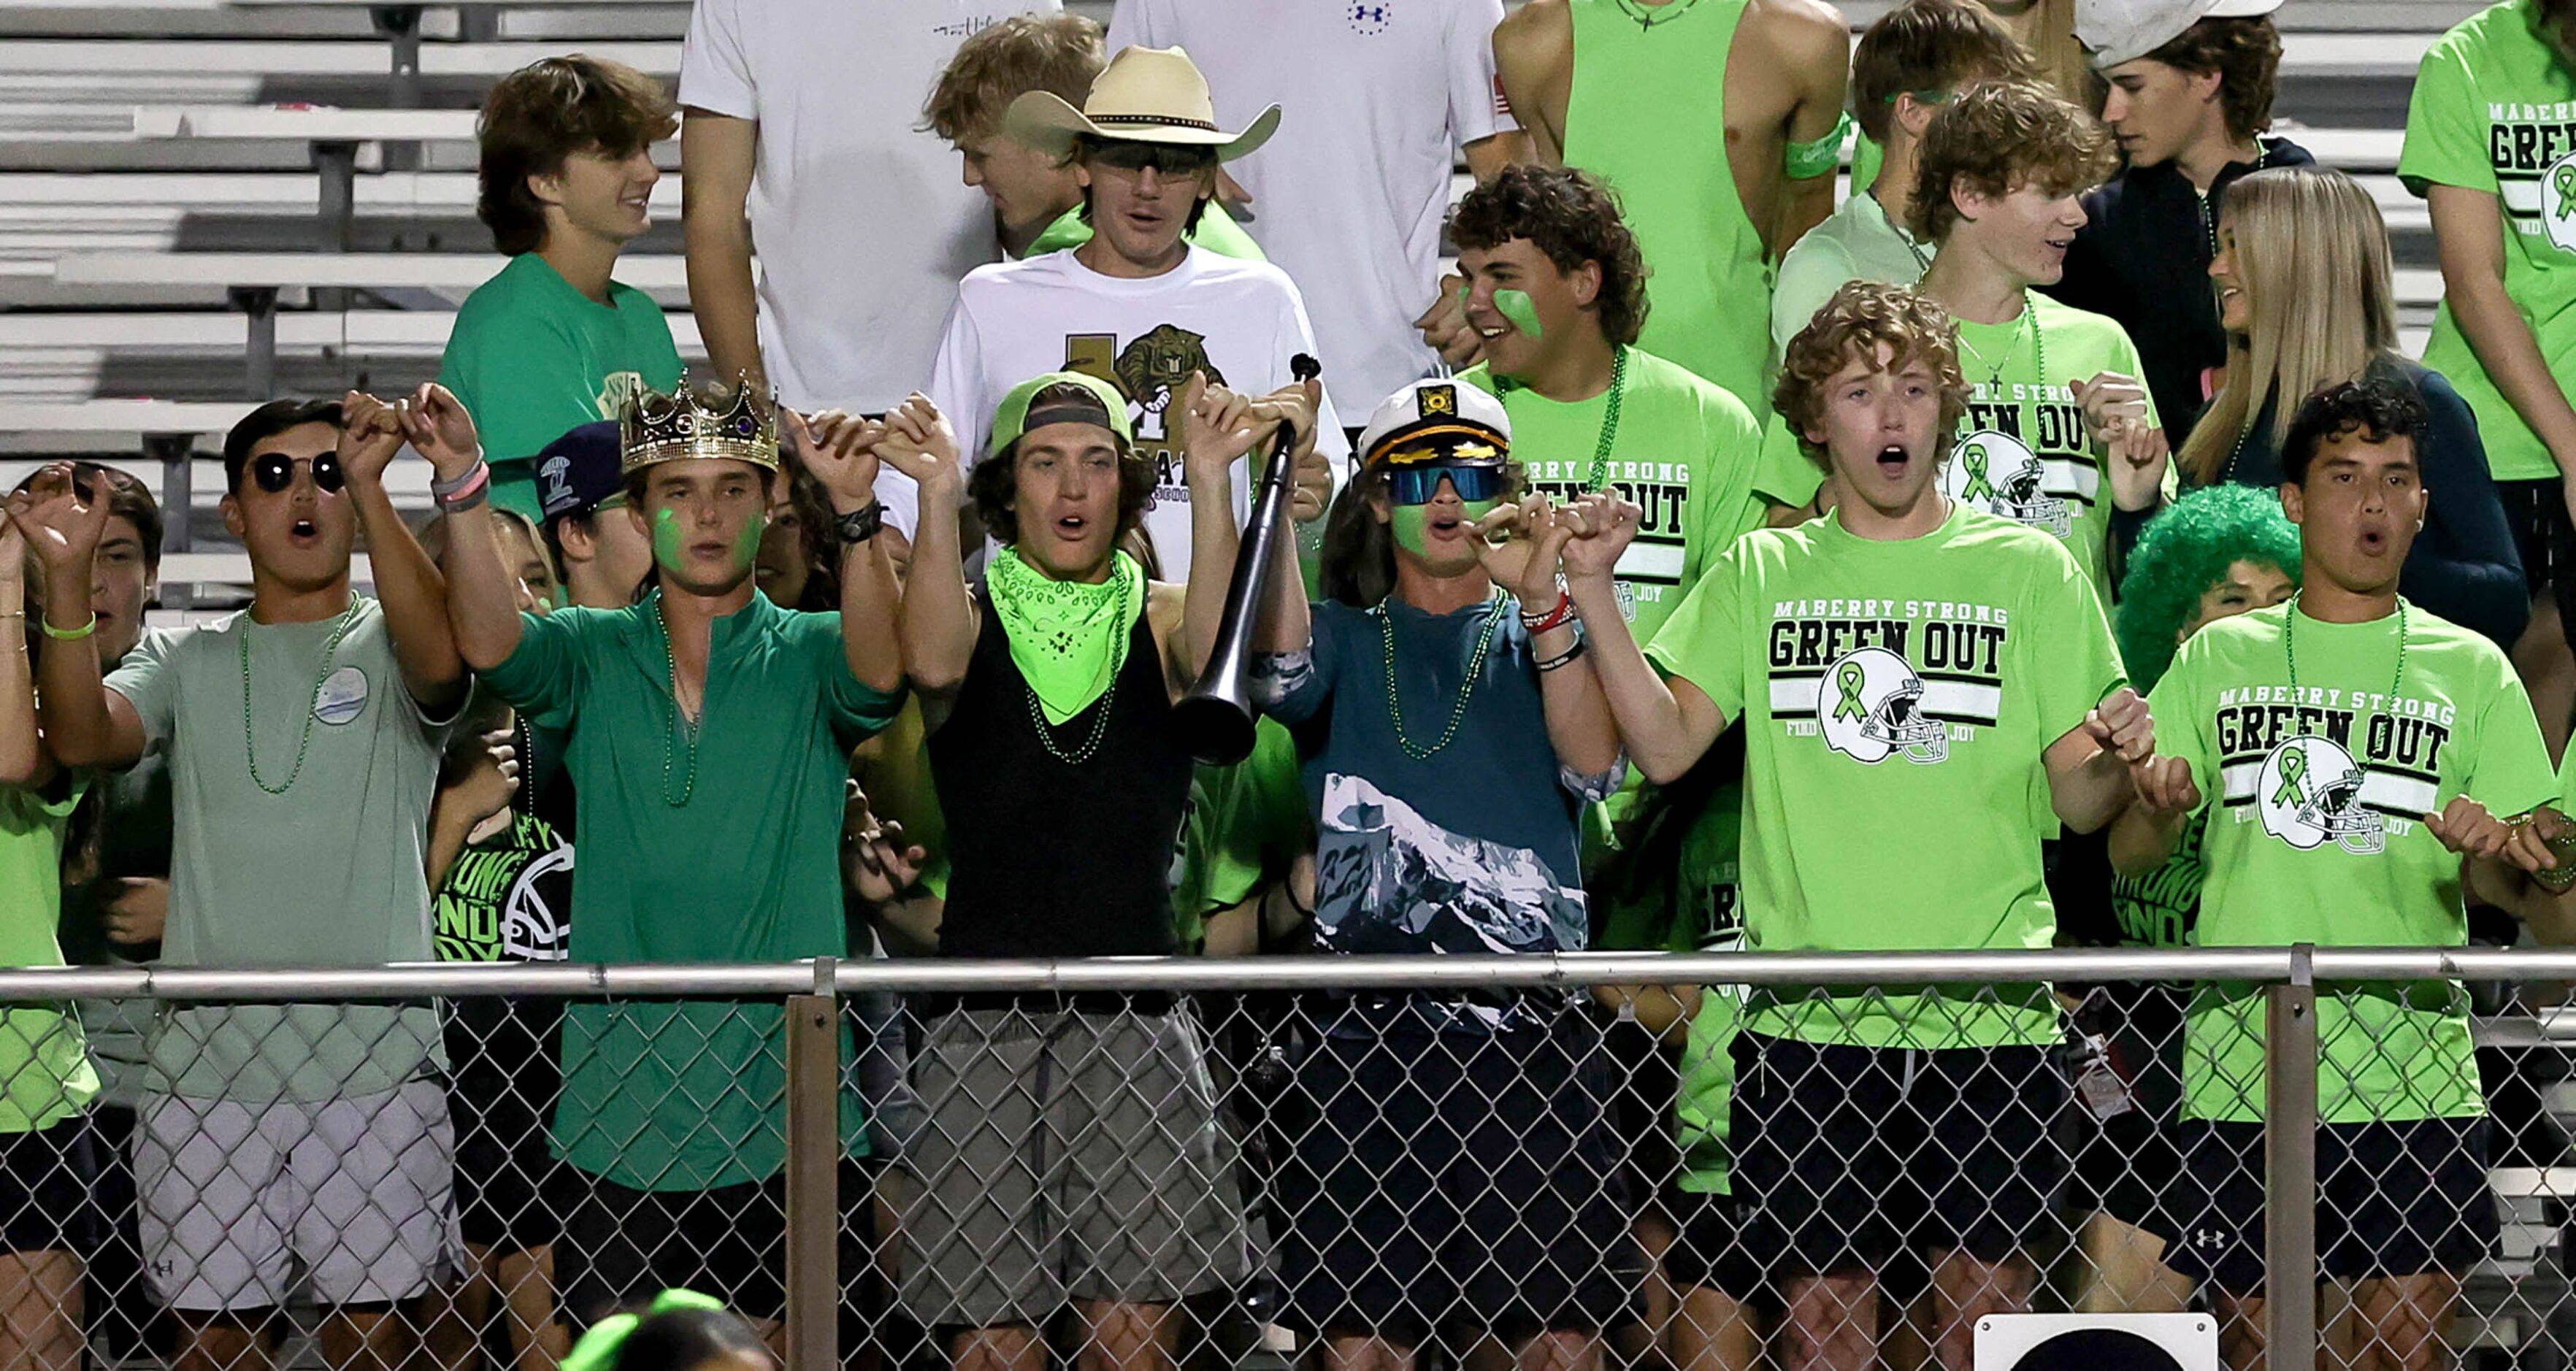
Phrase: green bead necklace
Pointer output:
(1466, 688)
(1608, 435)
(330, 649)
(673, 721)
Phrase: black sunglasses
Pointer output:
(275, 471)
(1166, 158)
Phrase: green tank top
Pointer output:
(1645, 114)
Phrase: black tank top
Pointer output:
(1048, 859)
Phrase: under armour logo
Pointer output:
(2208, 1237)
(1366, 18)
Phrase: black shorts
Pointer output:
(2537, 513)
(2393, 1199)
(623, 1246)
(1444, 1176)
(511, 1193)
(1646, 1086)
(1847, 1156)
(2128, 1104)
(1710, 1253)
(45, 1182)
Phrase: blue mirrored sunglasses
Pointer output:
(1419, 485)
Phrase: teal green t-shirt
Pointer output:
(2023, 451)
(718, 847)
(1217, 232)
(1924, 679)
(2494, 110)
(532, 357)
(2316, 799)
(346, 766)
(45, 1073)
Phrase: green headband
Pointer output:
(599, 1347)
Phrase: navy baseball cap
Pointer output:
(579, 471)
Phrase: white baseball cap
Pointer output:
(2120, 31)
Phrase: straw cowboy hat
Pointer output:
(1146, 95)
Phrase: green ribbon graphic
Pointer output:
(1849, 677)
(1974, 459)
(2565, 184)
(2294, 767)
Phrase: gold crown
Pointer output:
(717, 421)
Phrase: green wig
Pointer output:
(2186, 550)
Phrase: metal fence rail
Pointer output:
(1199, 1110)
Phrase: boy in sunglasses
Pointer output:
(1449, 1178)
(1926, 689)
(292, 1148)
(1138, 306)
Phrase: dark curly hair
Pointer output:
(2186, 550)
(1572, 219)
(545, 112)
(2246, 55)
(2002, 135)
(1860, 317)
(994, 484)
(2378, 408)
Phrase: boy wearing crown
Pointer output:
(290, 1149)
(1062, 777)
(1449, 1179)
(2351, 748)
(1920, 681)
(707, 736)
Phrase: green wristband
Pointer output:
(65, 635)
(1818, 157)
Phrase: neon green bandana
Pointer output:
(1067, 638)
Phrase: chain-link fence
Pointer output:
(1705, 1163)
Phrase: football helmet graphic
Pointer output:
(2309, 791)
(1995, 472)
(1870, 705)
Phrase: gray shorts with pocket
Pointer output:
(1065, 1155)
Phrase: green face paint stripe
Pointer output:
(666, 540)
(1412, 523)
(746, 545)
(1516, 306)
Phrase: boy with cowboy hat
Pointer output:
(1137, 306)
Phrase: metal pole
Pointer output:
(258, 305)
(335, 166)
(400, 24)
(2290, 1165)
(813, 1176)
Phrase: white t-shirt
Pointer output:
(1239, 321)
(861, 221)
(1375, 98)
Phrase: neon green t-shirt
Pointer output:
(1684, 453)
(2022, 450)
(2315, 836)
(1897, 698)
(45, 1073)
(532, 357)
(2494, 110)
(1244, 825)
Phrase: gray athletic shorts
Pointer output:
(1065, 1155)
(244, 1206)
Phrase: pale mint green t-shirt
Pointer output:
(2315, 835)
(1897, 699)
(1857, 242)
(532, 357)
(327, 872)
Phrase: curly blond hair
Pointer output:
(2002, 135)
(1863, 316)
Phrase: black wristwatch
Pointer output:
(859, 525)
